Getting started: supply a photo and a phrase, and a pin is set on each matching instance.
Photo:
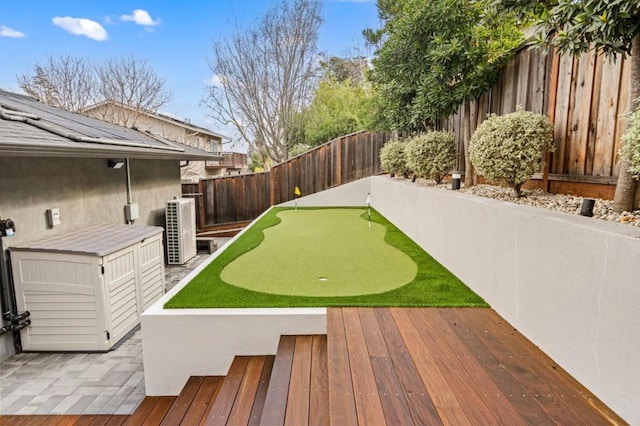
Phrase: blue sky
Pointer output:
(175, 37)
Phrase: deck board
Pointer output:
(183, 401)
(342, 407)
(223, 404)
(392, 396)
(300, 383)
(365, 389)
(261, 392)
(143, 410)
(275, 405)
(202, 400)
(447, 405)
(159, 410)
(319, 398)
(243, 404)
(428, 396)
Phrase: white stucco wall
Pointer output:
(571, 284)
(348, 195)
(87, 193)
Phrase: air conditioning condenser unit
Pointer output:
(181, 230)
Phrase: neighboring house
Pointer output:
(171, 128)
(55, 159)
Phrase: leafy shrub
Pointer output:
(631, 149)
(392, 158)
(508, 149)
(431, 154)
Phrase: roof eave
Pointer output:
(74, 152)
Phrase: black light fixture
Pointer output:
(455, 181)
(115, 164)
(587, 207)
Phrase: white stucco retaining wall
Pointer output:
(570, 284)
(179, 343)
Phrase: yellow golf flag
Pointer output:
(297, 191)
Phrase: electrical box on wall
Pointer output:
(53, 217)
(131, 211)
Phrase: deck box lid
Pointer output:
(99, 240)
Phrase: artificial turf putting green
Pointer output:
(305, 254)
(330, 252)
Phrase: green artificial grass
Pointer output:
(420, 279)
(329, 252)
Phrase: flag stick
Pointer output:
(296, 195)
(369, 208)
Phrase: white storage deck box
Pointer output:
(87, 289)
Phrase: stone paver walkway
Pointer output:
(81, 383)
(74, 383)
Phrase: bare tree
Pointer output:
(67, 82)
(266, 75)
(133, 84)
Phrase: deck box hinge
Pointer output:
(102, 269)
(108, 335)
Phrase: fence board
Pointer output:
(523, 80)
(607, 111)
(624, 104)
(593, 117)
(581, 114)
(562, 112)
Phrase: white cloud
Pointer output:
(215, 81)
(82, 27)
(10, 32)
(141, 17)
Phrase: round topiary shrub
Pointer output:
(431, 155)
(631, 149)
(508, 149)
(392, 158)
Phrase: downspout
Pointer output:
(129, 192)
(128, 183)
(9, 305)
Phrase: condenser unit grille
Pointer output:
(181, 233)
(173, 234)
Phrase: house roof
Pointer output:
(163, 117)
(31, 128)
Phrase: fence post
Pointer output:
(553, 93)
(339, 161)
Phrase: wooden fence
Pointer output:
(225, 200)
(339, 161)
(585, 97)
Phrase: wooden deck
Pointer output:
(380, 366)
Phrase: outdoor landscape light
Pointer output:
(455, 181)
(587, 207)
(115, 164)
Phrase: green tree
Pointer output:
(338, 108)
(432, 56)
(576, 26)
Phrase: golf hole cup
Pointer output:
(455, 181)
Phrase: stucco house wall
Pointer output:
(87, 193)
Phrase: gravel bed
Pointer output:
(570, 204)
